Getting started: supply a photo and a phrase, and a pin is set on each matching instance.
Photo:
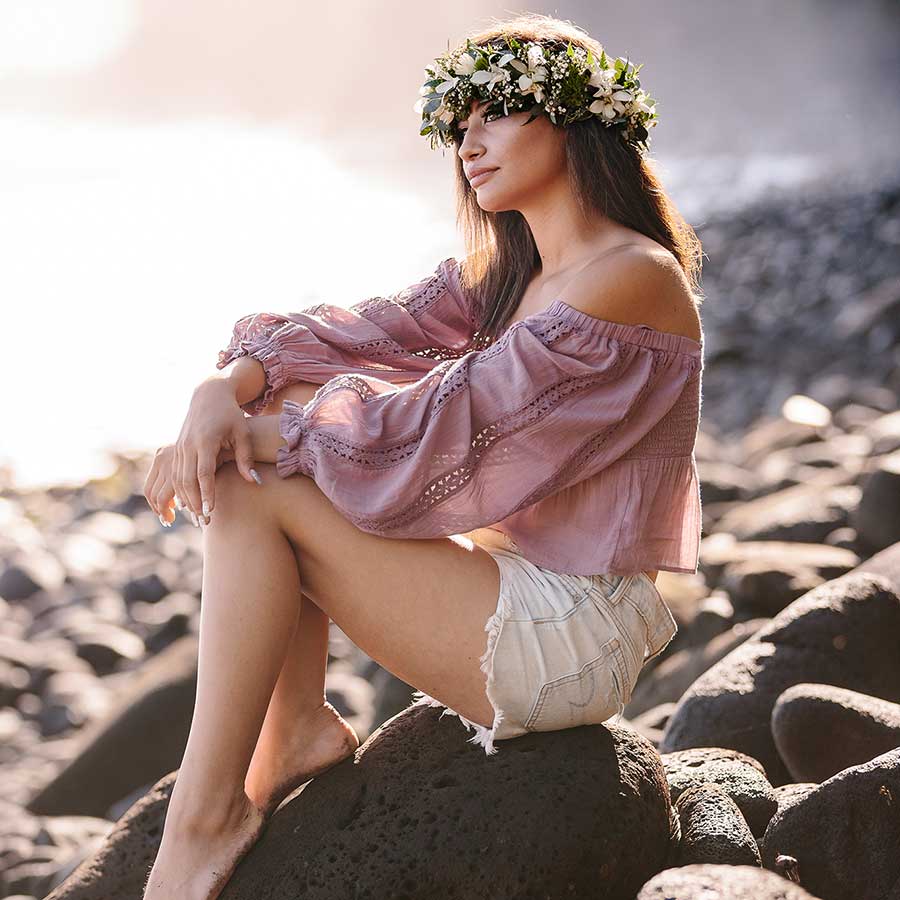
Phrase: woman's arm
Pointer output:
(396, 338)
(246, 379)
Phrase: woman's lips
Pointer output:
(481, 176)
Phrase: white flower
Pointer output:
(491, 76)
(532, 73)
(611, 105)
(535, 56)
(464, 65)
(602, 78)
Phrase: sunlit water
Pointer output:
(130, 251)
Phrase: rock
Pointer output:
(740, 776)
(844, 833)
(820, 729)
(148, 588)
(803, 512)
(713, 829)
(723, 481)
(761, 587)
(674, 675)
(35, 571)
(721, 550)
(843, 632)
(104, 646)
(71, 700)
(703, 881)
(142, 738)
(419, 812)
(877, 518)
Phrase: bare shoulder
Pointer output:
(638, 285)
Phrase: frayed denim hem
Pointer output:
(483, 736)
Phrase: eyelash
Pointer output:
(488, 118)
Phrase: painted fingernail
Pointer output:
(206, 508)
(162, 521)
(255, 475)
(194, 518)
(178, 504)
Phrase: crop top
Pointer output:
(572, 435)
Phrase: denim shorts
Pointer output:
(562, 650)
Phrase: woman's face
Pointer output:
(529, 159)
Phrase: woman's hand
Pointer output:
(214, 423)
(159, 487)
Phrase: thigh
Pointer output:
(417, 607)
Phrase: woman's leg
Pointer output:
(248, 615)
(418, 607)
(302, 734)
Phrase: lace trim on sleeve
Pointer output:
(451, 482)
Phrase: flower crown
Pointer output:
(569, 85)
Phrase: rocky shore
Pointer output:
(759, 756)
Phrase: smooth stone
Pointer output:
(820, 729)
(843, 632)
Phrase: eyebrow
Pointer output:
(477, 107)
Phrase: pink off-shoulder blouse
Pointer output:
(572, 435)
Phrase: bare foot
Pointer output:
(281, 763)
(195, 863)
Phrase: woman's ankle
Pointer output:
(191, 817)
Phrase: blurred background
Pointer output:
(166, 168)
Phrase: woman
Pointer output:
(484, 456)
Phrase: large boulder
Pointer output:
(845, 833)
(843, 632)
(820, 729)
(420, 812)
(141, 740)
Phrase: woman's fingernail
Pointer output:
(206, 508)
(194, 518)
(178, 502)
(255, 475)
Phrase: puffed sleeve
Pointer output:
(395, 338)
(550, 403)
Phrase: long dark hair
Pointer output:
(608, 176)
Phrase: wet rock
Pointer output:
(820, 729)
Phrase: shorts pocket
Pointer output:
(586, 697)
